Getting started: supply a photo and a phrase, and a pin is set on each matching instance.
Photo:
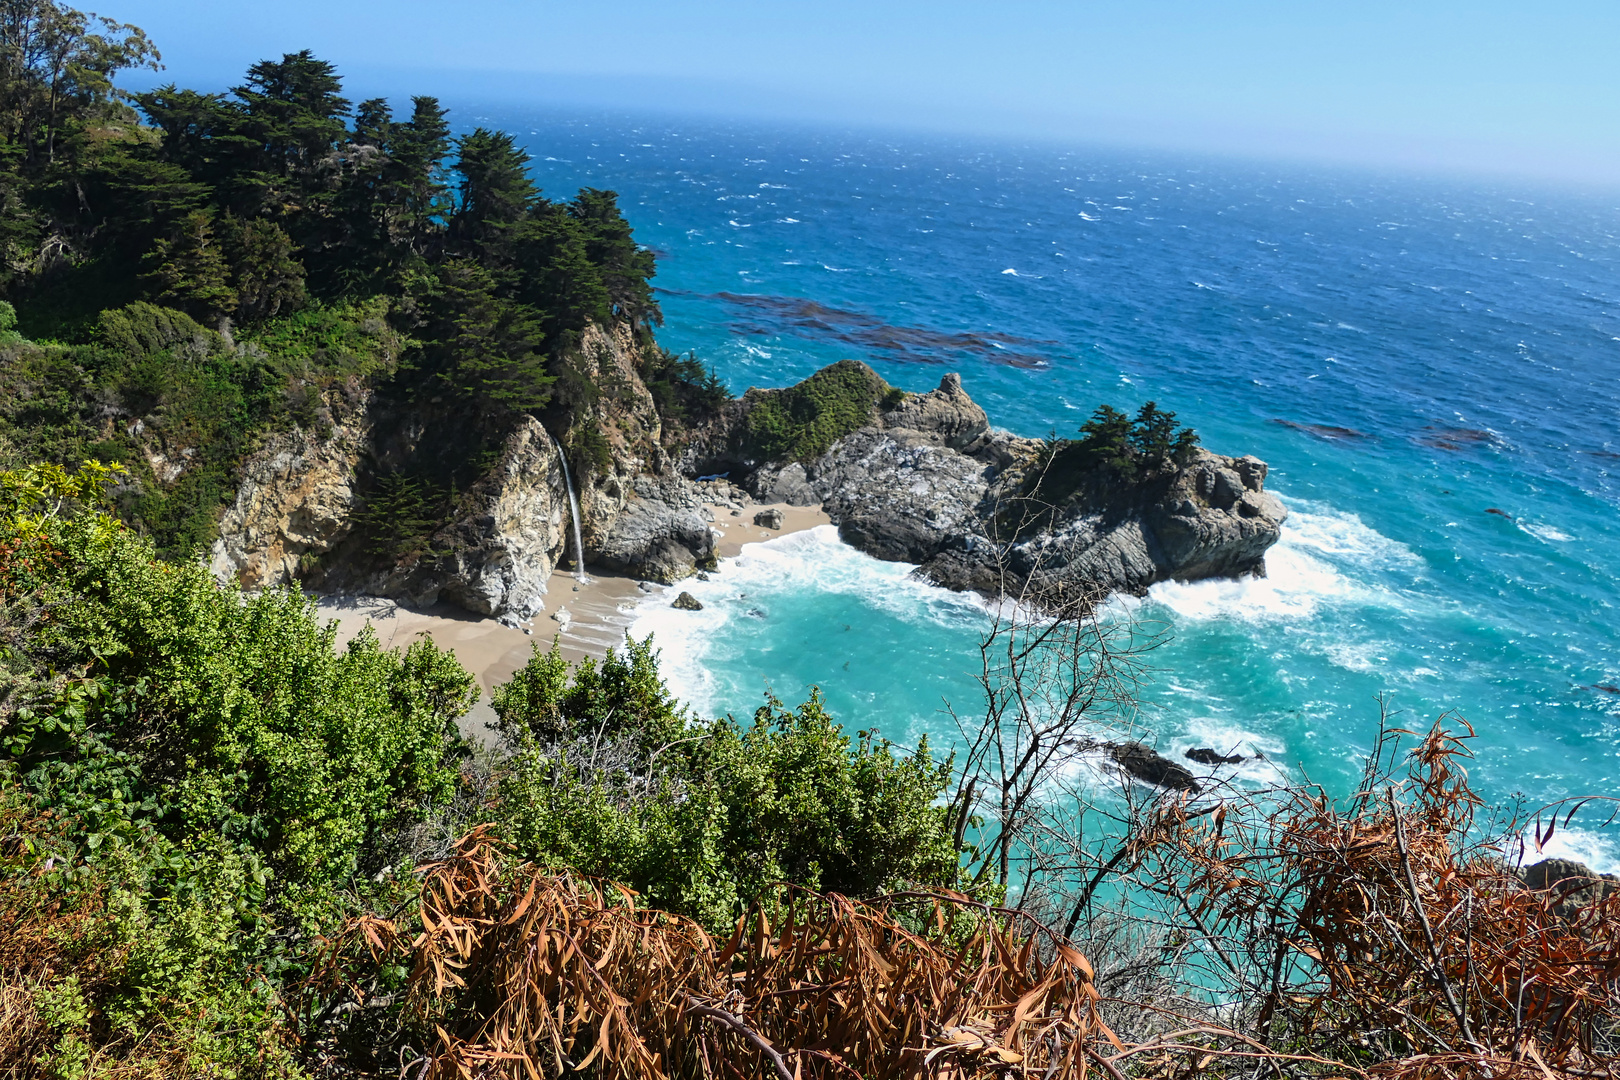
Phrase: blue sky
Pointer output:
(1526, 88)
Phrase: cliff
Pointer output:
(917, 478)
(302, 512)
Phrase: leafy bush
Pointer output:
(136, 960)
(608, 778)
(139, 695)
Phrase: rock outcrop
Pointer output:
(499, 554)
(928, 481)
(661, 532)
(295, 501)
(294, 517)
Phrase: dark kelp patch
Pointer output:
(765, 316)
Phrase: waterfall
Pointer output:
(573, 507)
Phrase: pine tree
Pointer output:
(268, 277)
(488, 347)
(189, 270)
(496, 194)
(623, 265)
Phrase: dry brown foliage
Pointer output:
(1385, 930)
(517, 972)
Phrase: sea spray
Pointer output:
(573, 517)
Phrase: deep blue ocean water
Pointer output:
(1408, 355)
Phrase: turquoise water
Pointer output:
(1406, 354)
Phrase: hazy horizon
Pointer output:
(1488, 90)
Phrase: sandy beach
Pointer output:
(599, 610)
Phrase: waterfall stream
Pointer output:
(573, 507)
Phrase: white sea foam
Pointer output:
(1264, 755)
(1011, 271)
(776, 571)
(1325, 557)
(1087, 217)
(1545, 532)
(1597, 850)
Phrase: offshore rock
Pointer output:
(1151, 767)
(687, 602)
(1204, 755)
(1577, 884)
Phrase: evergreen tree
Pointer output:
(488, 347)
(295, 110)
(558, 276)
(624, 266)
(496, 194)
(268, 277)
(417, 189)
(189, 270)
(1106, 441)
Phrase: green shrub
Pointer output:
(153, 698)
(802, 421)
(608, 778)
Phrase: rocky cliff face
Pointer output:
(639, 515)
(296, 499)
(294, 516)
(499, 552)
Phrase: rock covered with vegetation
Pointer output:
(363, 356)
(923, 478)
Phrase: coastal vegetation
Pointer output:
(1113, 448)
(187, 272)
(232, 847)
(800, 422)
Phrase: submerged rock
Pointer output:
(687, 602)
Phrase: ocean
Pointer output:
(1428, 366)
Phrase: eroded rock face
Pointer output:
(925, 480)
(294, 502)
(662, 533)
(501, 555)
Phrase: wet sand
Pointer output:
(600, 610)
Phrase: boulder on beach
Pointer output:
(770, 519)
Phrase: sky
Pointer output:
(1518, 88)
